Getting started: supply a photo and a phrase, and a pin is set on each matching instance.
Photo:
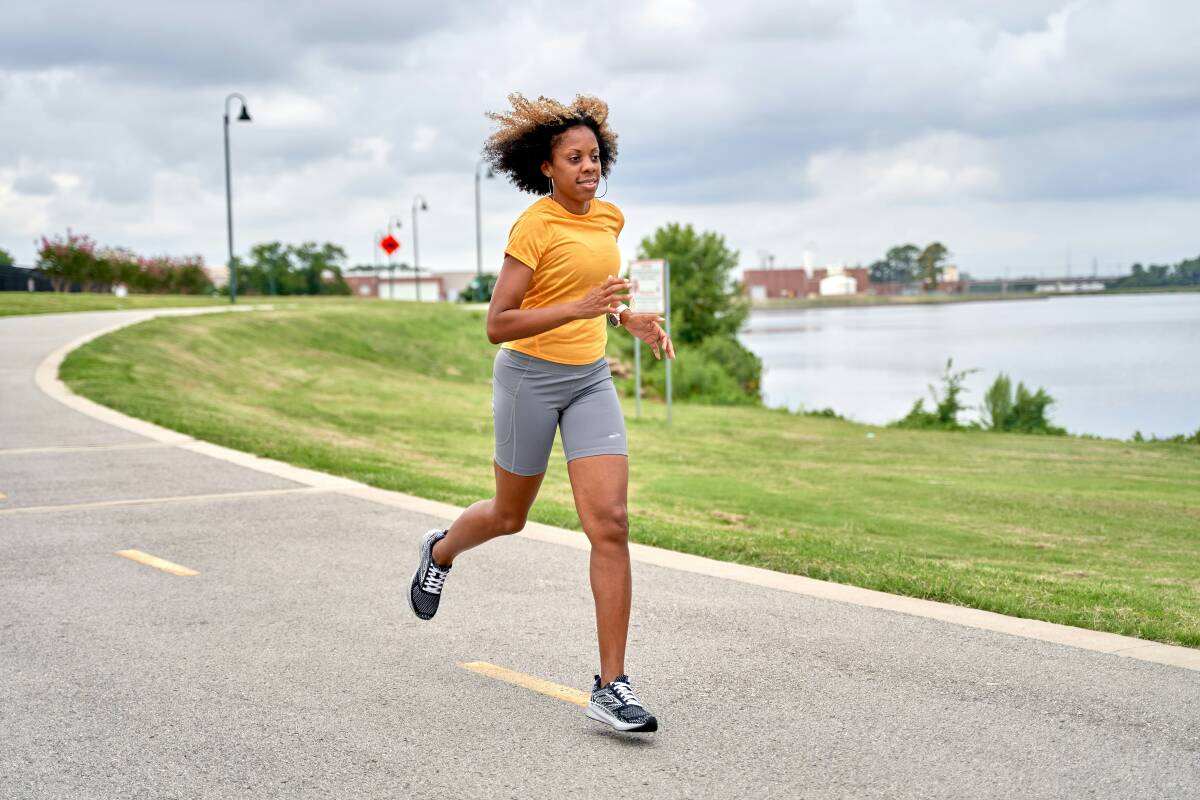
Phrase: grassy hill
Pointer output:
(1099, 534)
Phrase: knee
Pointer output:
(612, 527)
(507, 521)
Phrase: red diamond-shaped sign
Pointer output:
(389, 244)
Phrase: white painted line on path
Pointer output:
(82, 448)
(145, 501)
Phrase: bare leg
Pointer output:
(487, 519)
(601, 484)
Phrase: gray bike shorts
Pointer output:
(531, 397)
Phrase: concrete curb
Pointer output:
(1114, 644)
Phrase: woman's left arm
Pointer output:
(647, 328)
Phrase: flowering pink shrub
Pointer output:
(76, 259)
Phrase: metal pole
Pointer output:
(418, 204)
(391, 267)
(478, 226)
(229, 213)
(637, 369)
(667, 298)
(244, 117)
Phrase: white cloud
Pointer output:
(1005, 130)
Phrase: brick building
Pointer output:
(762, 284)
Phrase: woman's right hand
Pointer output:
(603, 299)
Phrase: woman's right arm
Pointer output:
(506, 320)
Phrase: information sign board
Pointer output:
(649, 289)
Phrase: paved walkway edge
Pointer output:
(1111, 643)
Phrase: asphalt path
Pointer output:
(291, 666)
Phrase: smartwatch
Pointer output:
(614, 319)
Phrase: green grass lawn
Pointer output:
(1099, 534)
(13, 303)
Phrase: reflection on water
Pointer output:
(1114, 364)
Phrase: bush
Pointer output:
(76, 260)
(479, 290)
(714, 372)
(1024, 412)
(947, 406)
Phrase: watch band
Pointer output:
(614, 319)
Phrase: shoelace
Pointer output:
(625, 694)
(434, 578)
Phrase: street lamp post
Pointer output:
(478, 222)
(243, 117)
(418, 204)
(394, 219)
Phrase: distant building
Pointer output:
(386, 284)
(762, 284)
(837, 282)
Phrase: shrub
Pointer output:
(714, 372)
(947, 406)
(1024, 412)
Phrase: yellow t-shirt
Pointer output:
(570, 254)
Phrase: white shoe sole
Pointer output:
(601, 714)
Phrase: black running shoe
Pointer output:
(618, 706)
(426, 589)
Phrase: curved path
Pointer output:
(280, 658)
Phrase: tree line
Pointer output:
(1185, 273)
(275, 268)
(272, 268)
(907, 263)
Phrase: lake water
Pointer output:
(1113, 364)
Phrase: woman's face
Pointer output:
(575, 164)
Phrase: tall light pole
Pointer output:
(375, 246)
(392, 267)
(418, 204)
(243, 117)
(478, 222)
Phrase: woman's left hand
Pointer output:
(646, 328)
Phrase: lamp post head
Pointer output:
(424, 206)
(490, 173)
(245, 115)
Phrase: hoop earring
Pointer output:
(605, 187)
(551, 179)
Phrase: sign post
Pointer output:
(390, 245)
(650, 294)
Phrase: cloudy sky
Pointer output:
(1021, 134)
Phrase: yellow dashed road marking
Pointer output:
(547, 688)
(157, 563)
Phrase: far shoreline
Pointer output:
(883, 301)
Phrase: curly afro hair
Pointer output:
(524, 137)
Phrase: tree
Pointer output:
(67, 260)
(704, 302)
(707, 310)
(930, 264)
(278, 268)
(898, 266)
(6, 259)
(321, 266)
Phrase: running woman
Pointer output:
(557, 286)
